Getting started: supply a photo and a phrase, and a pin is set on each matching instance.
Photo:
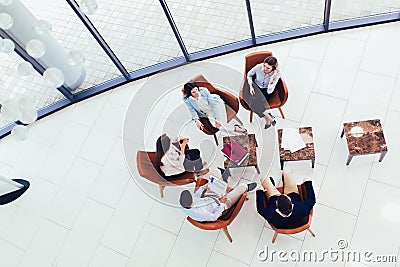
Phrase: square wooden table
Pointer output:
(250, 144)
(364, 137)
(306, 153)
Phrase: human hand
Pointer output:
(199, 125)
(183, 141)
(252, 92)
(223, 199)
(217, 124)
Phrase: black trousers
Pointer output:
(258, 102)
(193, 161)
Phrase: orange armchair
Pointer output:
(147, 167)
(280, 94)
(224, 220)
(307, 221)
(231, 105)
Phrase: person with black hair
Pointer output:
(174, 157)
(206, 206)
(285, 211)
(201, 103)
(265, 75)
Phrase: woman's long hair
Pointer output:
(162, 145)
(187, 89)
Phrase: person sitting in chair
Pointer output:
(285, 211)
(201, 103)
(206, 206)
(174, 158)
(266, 75)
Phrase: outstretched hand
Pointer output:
(199, 125)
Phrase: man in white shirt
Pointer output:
(204, 205)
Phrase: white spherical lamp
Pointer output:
(27, 103)
(28, 115)
(24, 68)
(53, 77)
(89, 7)
(19, 132)
(76, 58)
(6, 21)
(6, 2)
(35, 48)
(42, 27)
(6, 46)
(11, 110)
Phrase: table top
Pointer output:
(302, 154)
(248, 142)
(369, 141)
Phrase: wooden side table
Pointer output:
(306, 153)
(249, 142)
(364, 137)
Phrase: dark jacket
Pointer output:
(300, 212)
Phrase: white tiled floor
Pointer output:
(84, 209)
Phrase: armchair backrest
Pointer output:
(255, 58)
(147, 167)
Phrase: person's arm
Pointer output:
(310, 201)
(250, 74)
(274, 80)
(192, 110)
(260, 201)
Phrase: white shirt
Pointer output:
(172, 161)
(204, 209)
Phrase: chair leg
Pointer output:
(311, 232)
(225, 229)
(274, 238)
(216, 139)
(251, 116)
(162, 190)
(280, 110)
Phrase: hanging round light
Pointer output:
(75, 58)
(6, 2)
(19, 132)
(35, 48)
(6, 46)
(28, 115)
(42, 27)
(89, 7)
(53, 77)
(11, 110)
(24, 68)
(6, 21)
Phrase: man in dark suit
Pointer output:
(285, 211)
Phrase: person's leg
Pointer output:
(270, 189)
(193, 161)
(290, 183)
(235, 194)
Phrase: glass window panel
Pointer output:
(137, 31)
(13, 85)
(210, 23)
(346, 9)
(272, 16)
(70, 32)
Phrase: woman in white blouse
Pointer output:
(173, 157)
(266, 75)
